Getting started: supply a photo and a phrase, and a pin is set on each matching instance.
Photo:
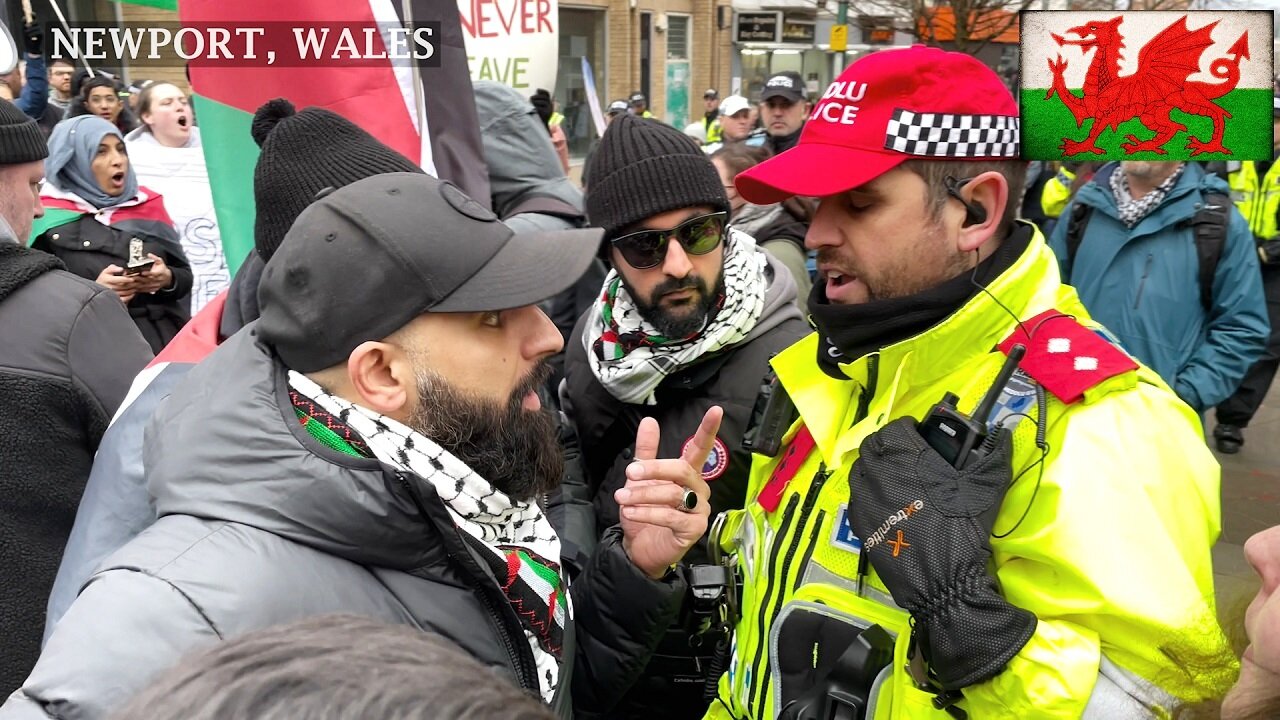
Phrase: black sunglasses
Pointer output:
(648, 248)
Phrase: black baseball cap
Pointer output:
(362, 261)
(786, 84)
(711, 94)
(638, 97)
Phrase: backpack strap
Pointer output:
(1209, 229)
(1076, 225)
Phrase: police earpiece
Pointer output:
(974, 214)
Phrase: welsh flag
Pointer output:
(1151, 85)
(425, 113)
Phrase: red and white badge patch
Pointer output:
(717, 460)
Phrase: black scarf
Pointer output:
(848, 332)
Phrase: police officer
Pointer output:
(783, 109)
(1255, 186)
(640, 105)
(711, 118)
(905, 553)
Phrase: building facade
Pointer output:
(671, 51)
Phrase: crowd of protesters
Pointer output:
(644, 444)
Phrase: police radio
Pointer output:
(957, 437)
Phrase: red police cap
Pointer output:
(886, 108)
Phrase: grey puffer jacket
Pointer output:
(260, 525)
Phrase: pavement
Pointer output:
(1250, 498)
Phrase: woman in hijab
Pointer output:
(105, 228)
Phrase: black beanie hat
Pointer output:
(20, 138)
(642, 168)
(302, 154)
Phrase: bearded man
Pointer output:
(686, 320)
(374, 444)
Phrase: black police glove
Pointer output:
(926, 529)
(32, 39)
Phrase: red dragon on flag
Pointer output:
(1151, 94)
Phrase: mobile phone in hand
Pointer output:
(139, 268)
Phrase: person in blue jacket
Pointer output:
(1137, 271)
(32, 96)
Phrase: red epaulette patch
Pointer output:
(797, 452)
(1066, 357)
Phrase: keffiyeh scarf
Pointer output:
(631, 358)
(1132, 211)
(514, 537)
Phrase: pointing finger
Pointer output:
(704, 439)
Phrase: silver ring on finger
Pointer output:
(689, 502)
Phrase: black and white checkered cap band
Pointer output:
(952, 136)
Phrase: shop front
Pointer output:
(770, 42)
(582, 35)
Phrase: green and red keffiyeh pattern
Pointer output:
(631, 358)
(514, 537)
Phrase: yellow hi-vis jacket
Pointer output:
(1112, 555)
(1258, 202)
(715, 133)
(1057, 193)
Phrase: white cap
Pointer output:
(734, 104)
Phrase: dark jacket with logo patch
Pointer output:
(606, 427)
(605, 431)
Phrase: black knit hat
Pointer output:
(302, 154)
(20, 138)
(643, 168)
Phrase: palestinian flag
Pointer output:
(144, 214)
(425, 113)
(1146, 85)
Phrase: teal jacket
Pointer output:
(1143, 285)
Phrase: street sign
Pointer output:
(758, 27)
(839, 38)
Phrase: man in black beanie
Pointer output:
(687, 319)
(303, 152)
(69, 354)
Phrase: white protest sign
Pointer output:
(514, 42)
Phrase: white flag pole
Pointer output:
(63, 19)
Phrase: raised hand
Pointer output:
(655, 532)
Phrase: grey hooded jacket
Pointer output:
(260, 525)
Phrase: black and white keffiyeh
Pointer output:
(515, 537)
(1132, 211)
(631, 358)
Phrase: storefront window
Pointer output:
(582, 34)
(677, 105)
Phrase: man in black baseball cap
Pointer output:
(711, 116)
(374, 445)
(783, 109)
(640, 105)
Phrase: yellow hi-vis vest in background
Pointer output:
(1057, 193)
(1257, 202)
(714, 132)
(1109, 546)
